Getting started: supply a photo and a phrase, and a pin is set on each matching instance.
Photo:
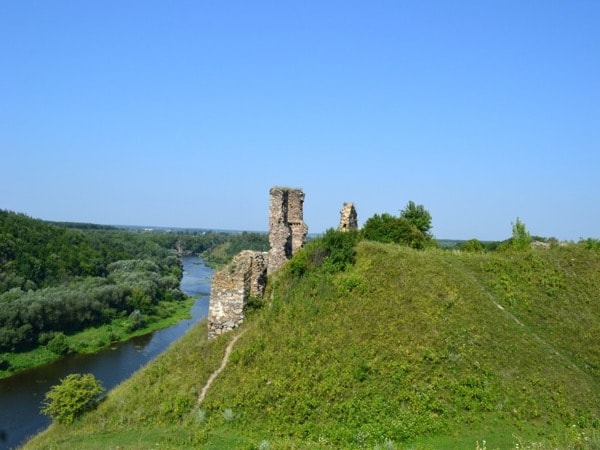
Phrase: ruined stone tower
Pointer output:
(348, 218)
(246, 275)
(287, 230)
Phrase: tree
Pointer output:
(418, 216)
(74, 395)
(520, 236)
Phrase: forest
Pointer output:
(58, 279)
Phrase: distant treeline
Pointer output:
(55, 279)
(217, 247)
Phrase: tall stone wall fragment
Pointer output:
(348, 218)
(287, 230)
(231, 288)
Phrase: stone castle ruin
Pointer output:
(246, 276)
(348, 218)
(287, 230)
(232, 287)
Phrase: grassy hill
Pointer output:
(403, 349)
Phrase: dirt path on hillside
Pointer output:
(217, 372)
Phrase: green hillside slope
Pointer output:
(405, 349)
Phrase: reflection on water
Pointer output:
(21, 395)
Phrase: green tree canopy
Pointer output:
(418, 216)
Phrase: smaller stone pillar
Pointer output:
(348, 218)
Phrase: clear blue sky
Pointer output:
(185, 113)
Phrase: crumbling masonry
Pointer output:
(232, 287)
(246, 275)
(348, 218)
(287, 230)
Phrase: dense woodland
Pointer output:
(57, 279)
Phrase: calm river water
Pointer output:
(21, 395)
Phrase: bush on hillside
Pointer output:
(520, 239)
(590, 243)
(339, 249)
(332, 252)
(388, 229)
(385, 228)
(74, 395)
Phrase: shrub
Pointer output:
(59, 345)
(4, 364)
(340, 250)
(472, 245)
(385, 228)
(136, 320)
(333, 252)
(388, 229)
(74, 395)
(590, 243)
(298, 265)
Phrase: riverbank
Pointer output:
(94, 339)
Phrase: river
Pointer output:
(21, 395)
